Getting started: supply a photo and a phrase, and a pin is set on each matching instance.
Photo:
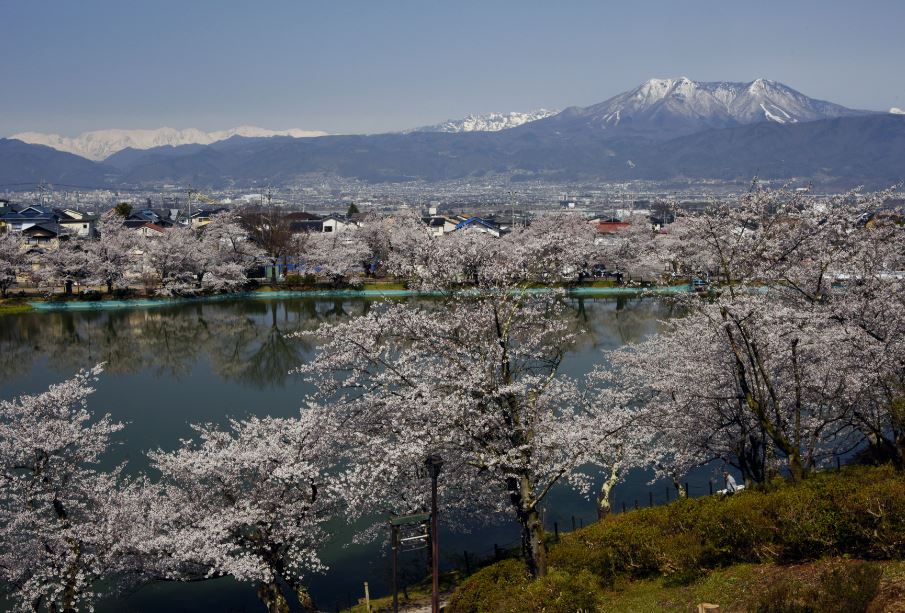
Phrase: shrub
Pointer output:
(841, 588)
(505, 587)
(781, 597)
(91, 294)
(482, 591)
(558, 592)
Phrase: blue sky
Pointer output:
(378, 65)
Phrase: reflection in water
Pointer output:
(254, 342)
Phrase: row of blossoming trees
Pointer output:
(180, 260)
(796, 355)
(183, 260)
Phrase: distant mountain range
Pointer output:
(101, 144)
(491, 122)
(664, 129)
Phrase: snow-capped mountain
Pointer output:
(101, 144)
(897, 111)
(666, 107)
(491, 122)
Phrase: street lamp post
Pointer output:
(434, 464)
(394, 530)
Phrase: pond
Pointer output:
(169, 367)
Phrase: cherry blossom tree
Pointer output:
(250, 502)
(272, 231)
(112, 253)
(60, 521)
(869, 307)
(70, 263)
(474, 377)
(13, 261)
(226, 254)
(760, 375)
(555, 247)
(175, 258)
(339, 256)
(396, 242)
(187, 261)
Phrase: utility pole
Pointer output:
(189, 193)
(434, 464)
(512, 195)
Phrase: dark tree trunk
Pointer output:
(534, 545)
(273, 598)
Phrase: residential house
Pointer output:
(148, 229)
(338, 223)
(302, 221)
(477, 224)
(611, 226)
(44, 234)
(202, 217)
(19, 218)
(441, 224)
(607, 228)
(166, 218)
(77, 223)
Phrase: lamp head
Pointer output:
(434, 463)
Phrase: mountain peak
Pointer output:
(660, 108)
(491, 122)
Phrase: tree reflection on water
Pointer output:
(252, 342)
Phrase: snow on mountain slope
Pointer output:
(896, 111)
(491, 122)
(682, 105)
(101, 144)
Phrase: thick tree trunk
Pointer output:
(604, 508)
(534, 545)
(305, 599)
(109, 286)
(796, 469)
(900, 452)
(273, 598)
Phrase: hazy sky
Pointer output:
(381, 65)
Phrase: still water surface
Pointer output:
(167, 368)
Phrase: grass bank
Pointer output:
(832, 543)
(12, 307)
